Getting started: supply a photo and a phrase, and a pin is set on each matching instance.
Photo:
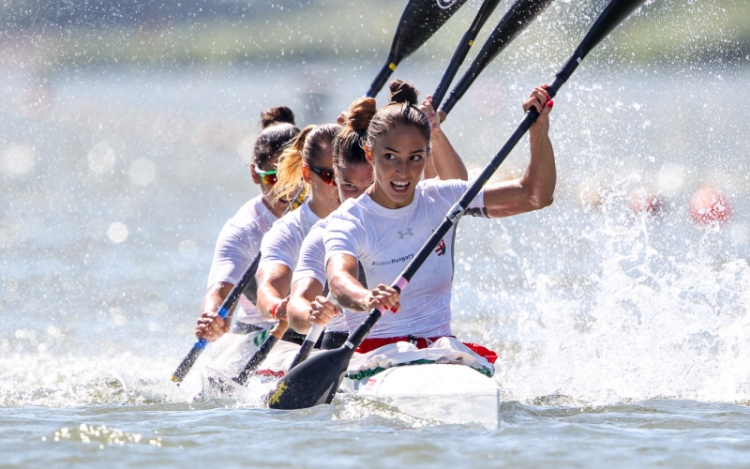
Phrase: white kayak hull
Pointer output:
(448, 393)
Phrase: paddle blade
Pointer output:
(612, 15)
(313, 382)
(420, 20)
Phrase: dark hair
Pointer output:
(307, 147)
(278, 131)
(401, 110)
(349, 144)
(276, 115)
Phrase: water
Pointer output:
(623, 338)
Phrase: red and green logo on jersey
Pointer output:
(440, 249)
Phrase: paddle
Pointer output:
(276, 334)
(484, 13)
(304, 351)
(419, 21)
(515, 20)
(316, 380)
(223, 311)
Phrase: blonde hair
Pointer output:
(289, 168)
(305, 148)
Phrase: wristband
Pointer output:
(274, 308)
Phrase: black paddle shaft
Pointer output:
(256, 359)
(484, 13)
(316, 380)
(420, 20)
(515, 20)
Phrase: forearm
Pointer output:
(532, 191)
(273, 287)
(349, 293)
(540, 177)
(297, 312)
(215, 296)
(445, 160)
(268, 297)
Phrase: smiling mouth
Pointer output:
(400, 187)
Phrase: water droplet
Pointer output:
(18, 160)
(142, 172)
(117, 232)
(101, 158)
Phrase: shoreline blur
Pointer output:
(75, 35)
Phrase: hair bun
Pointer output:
(276, 115)
(360, 114)
(403, 92)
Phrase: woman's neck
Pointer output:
(319, 208)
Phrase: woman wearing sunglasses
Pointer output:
(308, 160)
(386, 227)
(353, 175)
(239, 241)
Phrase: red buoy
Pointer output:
(709, 206)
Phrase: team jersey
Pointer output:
(311, 265)
(238, 244)
(281, 245)
(385, 240)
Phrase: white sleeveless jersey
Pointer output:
(385, 240)
(281, 245)
(311, 265)
(238, 244)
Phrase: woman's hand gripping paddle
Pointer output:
(228, 303)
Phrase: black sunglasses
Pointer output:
(325, 175)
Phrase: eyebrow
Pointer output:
(421, 150)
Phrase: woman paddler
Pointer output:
(386, 227)
(240, 238)
(308, 160)
(353, 175)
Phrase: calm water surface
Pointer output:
(623, 338)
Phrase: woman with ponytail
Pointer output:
(307, 161)
(240, 238)
(353, 174)
(385, 228)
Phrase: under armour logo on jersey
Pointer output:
(408, 232)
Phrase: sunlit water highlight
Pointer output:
(623, 338)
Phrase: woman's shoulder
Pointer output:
(351, 209)
(443, 190)
(427, 185)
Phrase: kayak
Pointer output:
(448, 393)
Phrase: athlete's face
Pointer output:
(325, 197)
(266, 183)
(398, 158)
(353, 180)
